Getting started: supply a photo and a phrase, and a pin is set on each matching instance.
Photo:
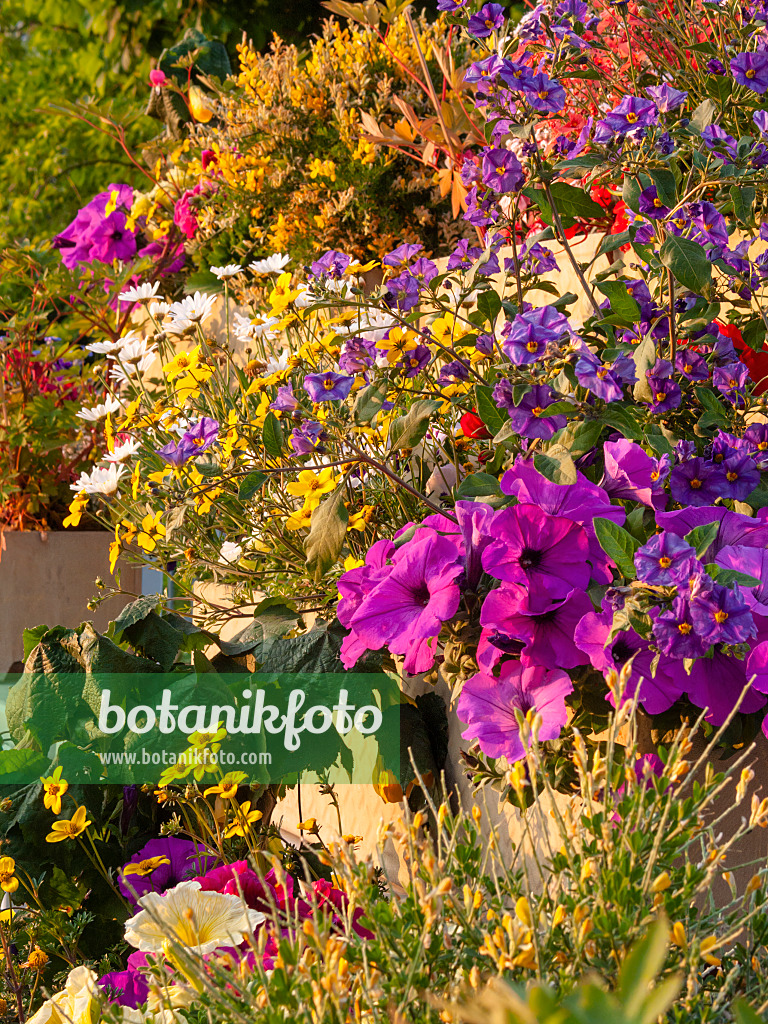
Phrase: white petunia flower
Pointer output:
(78, 1001)
(272, 264)
(123, 451)
(99, 412)
(101, 480)
(140, 293)
(230, 270)
(200, 921)
(230, 552)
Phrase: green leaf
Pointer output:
(327, 530)
(558, 468)
(406, 431)
(579, 436)
(701, 537)
(709, 401)
(624, 419)
(743, 1013)
(640, 967)
(730, 576)
(666, 186)
(617, 544)
(478, 485)
(251, 485)
(369, 402)
(630, 192)
(272, 435)
(272, 619)
(574, 202)
(743, 197)
(493, 417)
(644, 357)
(31, 638)
(703, 116)
(753, 332)
(489, 304)
(688, 262)
(611, 243)
(621, 301)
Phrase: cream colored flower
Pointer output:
(201, 921)
(77, 1004)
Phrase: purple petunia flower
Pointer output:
(487, 705)
(502, 171)
(633, 475)
(757, 667)
(715, 66)
(710, 223)
(402, 292)
(632, 113)
(328, 386)
(424, 270)
(406, 609)
(544, 93)
(489, 19)
(527, 336)
(546, 553)
(753, 562)
(751, 70)
(716, 138)
(515, 74)
(760, 117)
(694, 482)
(331, 264)
(735, 528)
(112, 240)
(528, 417)
(87, 233)
(285, 400)
(666, 560)
(721, 615)
(666, 98)
(536, 259)
(675, 633)
(547, 631)
(415, 360)
(185, 860)
(175, 454)
(650, 204)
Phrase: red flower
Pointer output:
(473, 426)
(755, 362)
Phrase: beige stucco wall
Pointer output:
(48, 578)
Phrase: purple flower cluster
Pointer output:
(95, 235)
(195, 440)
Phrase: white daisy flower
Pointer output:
(279, 364)
(101, 480)
(129, 371)
(159, 309)
(123, 451)
(195, 308)
(230, 270)
(140, 293)
(272, 264)
(133, 349)
(103, 348)
(98, 412)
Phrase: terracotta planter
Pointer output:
(49, 578)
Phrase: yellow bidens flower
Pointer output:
(54, 788)
(8, 880)
(322, 169)
(76, 509)
(227, 787)
(182, 362)
(145, 867)
(310, 825)
(312, 486)
(69, 828)
(245, 818)
(300, 520)
(151, 530)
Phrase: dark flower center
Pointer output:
(530, 558)
(421, 595)
(621, 651)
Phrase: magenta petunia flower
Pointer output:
(753, 562)
(407, 608)
(547, 631)
(735, 528)
(716, 684)
(487, 705)
(633, 475)
(548, 554)
(184, 859)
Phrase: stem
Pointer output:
(672, 324)
(429, 84)
(569, 252)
